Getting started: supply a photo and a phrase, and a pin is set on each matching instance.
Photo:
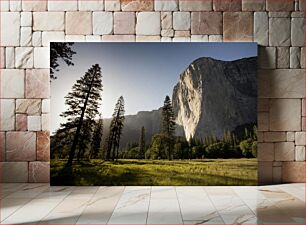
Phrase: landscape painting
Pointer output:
(144, 114)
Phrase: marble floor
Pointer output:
(42, 204)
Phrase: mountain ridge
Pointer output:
(193, 99)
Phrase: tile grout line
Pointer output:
(86, 205)
(116, 205)
(214, 205)
(30, 199)
(247, 204)
(54, 207)
(149, 205)
(179, 205)
(21, 207)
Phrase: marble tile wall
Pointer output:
(27, 27)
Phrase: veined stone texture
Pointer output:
(21, 122)
(34, 5)
(37, 83)
(37, 39)
(41, 57)
(300, 153)
(15, 5)
(2, 57)
(23, 57)
(280, 5)
(102, 23)
(297, 32)
(9, 57)
(2, 146)
(45, 105)
(26, 36)
(300, 138)
(14, 172)
(261, 28)
(196, 5)
(143, 28)
(265, 152)
(124, 22)
(52, 36)
(29, 106)
(284, 151)
(285, 115)
(26, 19)
(78, 23)
(112, 5)
(91, 5)
(295, 57)
(43, 146)
(206, 23)
(169, 5)
(34, 123)
(118, 38)
(253, 5)
(238, 26)
(215, 38)
(39, 172)
(10, 28)
(166, 20)
(181, 20)
(7, 114)
(48, 21)
(45, 122)
(275, 136)
(279, 32)
(274, 83)
(21, 146)
(283, 57)
(27, 27)
(228, 5)
(12, 83)
(267, 57)
(56, 5)
(137, 5)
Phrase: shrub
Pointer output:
(246, 147)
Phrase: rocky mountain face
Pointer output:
(214, 96)
(211, 97)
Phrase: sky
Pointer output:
(143, 73)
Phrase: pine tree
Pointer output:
(168, 125)
(115, 130)
(60, 50)
(142, 144)
(97, 138)
(85, 139)
(83, 102)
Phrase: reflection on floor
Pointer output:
(42, 204)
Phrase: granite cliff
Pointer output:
(214, 96)
(211, 97)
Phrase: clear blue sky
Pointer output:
(144, 73)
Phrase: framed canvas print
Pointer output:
(153, 114)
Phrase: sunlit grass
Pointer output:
(156, 172)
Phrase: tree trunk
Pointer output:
(78, 131)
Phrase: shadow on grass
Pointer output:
(130, 173)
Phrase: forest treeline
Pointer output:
(81, 136)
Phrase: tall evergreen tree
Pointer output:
(115, 130)
(168, 125)
(83, 102)
(97, 138)
(60, 50)
(85, 139)
(142, 143)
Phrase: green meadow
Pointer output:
(156, 172)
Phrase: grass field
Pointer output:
(148, 172)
